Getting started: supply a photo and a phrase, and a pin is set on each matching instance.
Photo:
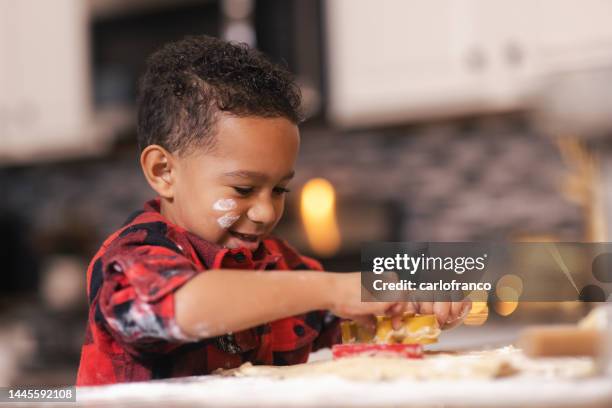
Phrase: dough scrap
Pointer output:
(436, 367)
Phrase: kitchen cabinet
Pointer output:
(401, 60)
(44, 83)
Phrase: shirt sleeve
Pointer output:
(328, 324)
(141, 272)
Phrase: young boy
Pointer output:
(195, 282)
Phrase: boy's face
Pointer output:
(234, 194)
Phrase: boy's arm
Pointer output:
(222, 301)
(154, 299)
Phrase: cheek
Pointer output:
(204, 219)
(279, 209)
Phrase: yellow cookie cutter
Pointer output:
(416, 329)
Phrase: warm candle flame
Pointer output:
(318, 209)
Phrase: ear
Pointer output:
(158, 166)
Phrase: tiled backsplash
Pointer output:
(489, 179)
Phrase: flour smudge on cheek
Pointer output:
(227, 220)
(224, 204)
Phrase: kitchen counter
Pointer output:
(214, 391)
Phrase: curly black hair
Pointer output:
(189, 82)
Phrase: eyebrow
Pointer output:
(255, 175)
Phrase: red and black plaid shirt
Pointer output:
(132, 333)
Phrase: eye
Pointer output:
(281, 190)
(243, 191)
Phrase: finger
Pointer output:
(465, 306)
(383, 308)
(441, 310)
(411, 308)
(425, 307)
(396, 309)
(455, 311)
(396, 322)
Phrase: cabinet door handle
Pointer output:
(476, 59)
(513, 53)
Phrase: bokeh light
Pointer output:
(318, 210)
(478, 315)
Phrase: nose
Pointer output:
(262, 212)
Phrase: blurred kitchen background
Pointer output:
(437, 120)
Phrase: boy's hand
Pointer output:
(449, 314)
(346, 302)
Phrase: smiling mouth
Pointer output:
(246, 237)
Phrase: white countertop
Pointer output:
(538, 388)
(336, 392)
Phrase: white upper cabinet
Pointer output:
(401, 60)
(45, 103)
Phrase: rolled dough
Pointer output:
(488, 364)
